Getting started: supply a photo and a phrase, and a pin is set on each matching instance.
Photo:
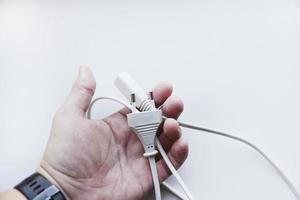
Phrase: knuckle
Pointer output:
(86, 86)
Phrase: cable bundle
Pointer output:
(145, 118)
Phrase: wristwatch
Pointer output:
(37, 187)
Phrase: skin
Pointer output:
(103, 159)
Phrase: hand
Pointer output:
(103, 159)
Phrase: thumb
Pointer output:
(82, 91)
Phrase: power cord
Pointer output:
(198, 128)
(143, 124)
(256, 148)
(155, 177)
(145, 118)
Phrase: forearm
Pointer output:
(12, 194)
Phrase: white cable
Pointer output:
(173, 170)
(173, 191)
(155, 177)
(151, 159)
(165, 157)
(145, 125)
(257, 149)
(124, 103)
(185, 125)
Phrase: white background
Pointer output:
(235, 63)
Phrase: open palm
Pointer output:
(103, 159)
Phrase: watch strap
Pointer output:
(37, 187)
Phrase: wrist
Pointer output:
(12, 194)
(54, 179)
(38, 187)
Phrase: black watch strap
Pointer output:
(36, 187)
